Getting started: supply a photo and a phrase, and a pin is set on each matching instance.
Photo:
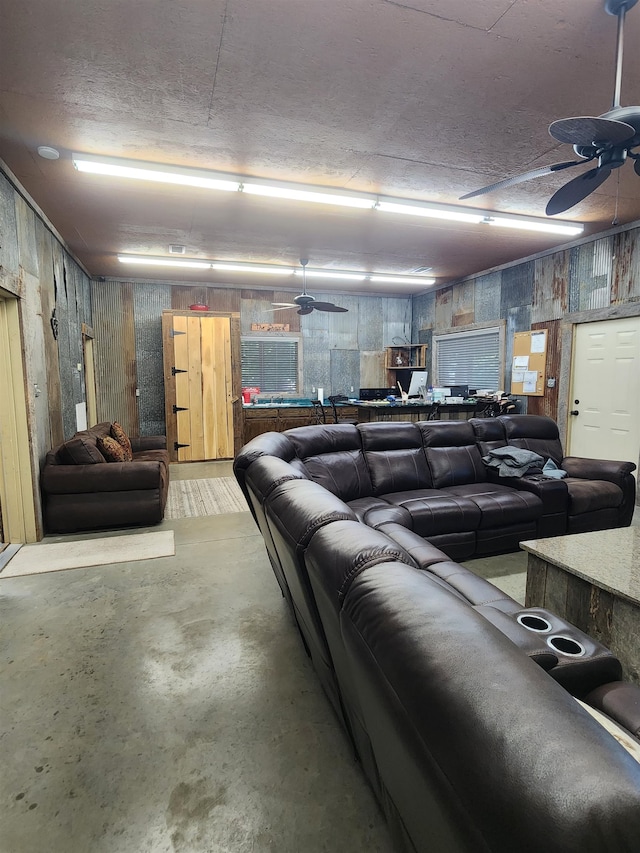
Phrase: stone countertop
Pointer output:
(609, 559)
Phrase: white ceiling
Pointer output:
(422, 99)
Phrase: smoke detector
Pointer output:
(176, 249)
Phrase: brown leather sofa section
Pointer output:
(79, 494)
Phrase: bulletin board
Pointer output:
(529, 365)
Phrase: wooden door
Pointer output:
(605, 390)
(199, 389)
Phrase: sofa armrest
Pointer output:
(148, 442)
(104, 477)
(597, 469)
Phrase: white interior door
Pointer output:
(604, 420)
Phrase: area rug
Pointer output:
(211, 496)
(57, 556)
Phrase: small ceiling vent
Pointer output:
(176, 249)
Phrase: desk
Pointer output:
(379, 411)
(593, 581)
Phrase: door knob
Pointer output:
(574, 412)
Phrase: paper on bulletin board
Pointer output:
(517, 376)
(521, 362)
(530, 380)
(538, 340)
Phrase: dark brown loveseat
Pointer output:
(81, 490)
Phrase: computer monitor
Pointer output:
(418, 380)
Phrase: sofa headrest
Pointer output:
(446, 433)
(298, 508)
(267, 444)
(318, 439)
(488, 429)
(394, 435)
(340, 551)
(267, 473)
(529, 426)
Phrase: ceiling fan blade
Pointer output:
(328, 306)
(576, 190)
(306, 310)
(282, 307)
(526, 176)
(586, 130)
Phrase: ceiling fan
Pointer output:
(305, 303)
(609, 138)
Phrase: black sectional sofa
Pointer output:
(481, 725)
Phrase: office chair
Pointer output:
(337, 417)
(318, 412)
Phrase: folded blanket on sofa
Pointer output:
(513, 461)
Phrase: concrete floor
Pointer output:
(167, 705)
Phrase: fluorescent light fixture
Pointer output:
(345, 276)
(316, 195)
(432, 211)
(570, 229)
(163, 262)
(117, 168)
(206, 179)
(271, 270)
(396, 279)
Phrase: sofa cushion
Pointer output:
(452, 454)
(591, 495)
(534, 432)
(395, 457)
(499, 506)
(123, 440)
(80, 450)
(111, 449)
(434, 512)
(332, 456)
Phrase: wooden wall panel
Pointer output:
(26, 234)
(373, 373)
(625, 285)
(316, 364)
(423, 314)
(548, 403)
(9, 261)
(463, 304)
(114, 345)
(550, 287)
(444, 309)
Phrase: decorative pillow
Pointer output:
(80, 450)
(111, 450)
(123, 440)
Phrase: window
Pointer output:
(270, 364)
(469, 358)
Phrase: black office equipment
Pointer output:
(368, 394)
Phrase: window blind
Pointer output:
(469, 358)
(271, 364)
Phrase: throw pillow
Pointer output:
(111, 449)
(123, 440)
(80, 450)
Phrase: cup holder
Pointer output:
(566, 646)
(534, 623)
